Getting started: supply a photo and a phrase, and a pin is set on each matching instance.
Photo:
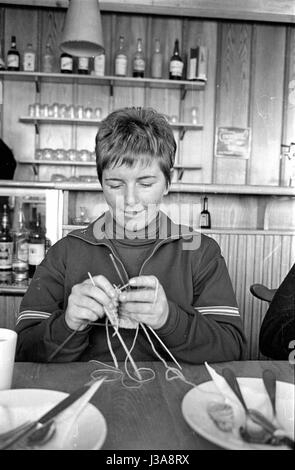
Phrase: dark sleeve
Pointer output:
(278, 326)
(210, 329)
(41, 325)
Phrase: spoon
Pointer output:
(269, 380)
(41, 435)
(253, 431)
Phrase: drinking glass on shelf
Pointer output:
(45, 110)
(37, 110)
(79, 112)
(58, 177)
(88, 113)
(97, 113)
(84, 155)
(31, 110)
(48, 154)
(55, 108)
(70, 112)
(194, 115)
(71, 155)
(92, 156)
(60, 154)
(51, 111)
(38, 154)
(62, 111)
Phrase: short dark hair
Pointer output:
(127, 133)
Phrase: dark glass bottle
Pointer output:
(66, 63)
(36, 245)
(6, 241)
(13, 57)
(138, 61)
(83, 65)
(205, 217)
(176, 63)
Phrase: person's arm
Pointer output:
(278, 326)
(211, 329)
(41, 325)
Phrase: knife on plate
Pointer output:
(49, 416)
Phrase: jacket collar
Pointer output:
(168, 230)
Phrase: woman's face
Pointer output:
(134, 194)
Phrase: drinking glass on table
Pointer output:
(7, 355)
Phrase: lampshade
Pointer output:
(82, 33)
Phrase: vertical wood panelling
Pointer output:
(233, 85)
(268, 80)
(51, 27)
(289, 95)
(258, 258)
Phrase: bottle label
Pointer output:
(121, 65)
(12, 60)
(138, 65)
(29, 61)
(176, 67)
(192, 70)
(157, 66)
(22, 250)
(6, 255)
(99, 65)
(66, 63)
(36, 253)
(204, 221)
(83, 63)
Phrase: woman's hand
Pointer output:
(147, 304)
(87, 302)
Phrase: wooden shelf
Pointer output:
(235, 189)
(107, 80)
(181, 126)
(56, 162)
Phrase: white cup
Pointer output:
(7, 355)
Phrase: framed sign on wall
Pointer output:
(233, 142)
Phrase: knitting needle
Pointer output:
(163, 345)
(119, 336)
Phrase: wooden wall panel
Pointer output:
(197, 146)
(232, 101)
(289, 92)
(267, 103)
(250, 259)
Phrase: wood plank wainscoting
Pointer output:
(255, 257)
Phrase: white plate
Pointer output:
(194, 410)
(88, 432)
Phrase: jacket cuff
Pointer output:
(175, 331)
(60, 331)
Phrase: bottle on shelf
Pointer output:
(2, 62)
(157, 61)
(99, 64)
(48, 60)
(192, 66)
(36, 243)
(66, 63)
(138, 61)
(20, 234)
(6, 241)
(121, 59)
(202, 62)
(83, 65)
(13, 56)
(29, 59)
(176, 63)
(205, 217)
